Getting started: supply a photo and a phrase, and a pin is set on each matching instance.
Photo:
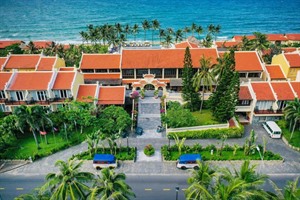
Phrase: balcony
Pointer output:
(58, 100)
(268, 112)
(243, 109)
(11, 102)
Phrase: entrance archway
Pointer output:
(149, 83)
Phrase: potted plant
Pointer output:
(155, 94)
(149, 150)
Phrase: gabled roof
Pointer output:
(85, 91)
(263, 91)
(103, 76)
(240, 37)
(164, 58)
(2, 61)
(100, 61)
(283, 90)
(185, 44)
(296, 87)
(30, 81)
(247, 61)
(293, 59)
(63, 81)
(111, 95)
(226, 44)
(288, 49)
(293, 37)
(4, 78)
(276, 37)
(42, 44)
(67, 69)
(6, 43)
(22, 61)
(244, 93)
(275, 72)
(46, 64)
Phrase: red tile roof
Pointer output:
(6, 43)
(247, 61)
(289, 49)
(109, 95)
(4, 77)
(244, 93)
(22, 61)
(283, 90)
(66, 68)
(296, 87)
(42, 44)
(276, 37)
(85, 91)
(46, 64)
(102, 76)
(293, 59)
(275, 72)
(100, 61)
(63, 81)
(293, 37)
(186, 44)
(164, 58)
(263, 91)
(240, 37)
(31, 81)
(226, 44)
(2, 61)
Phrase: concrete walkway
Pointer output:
(291, 164)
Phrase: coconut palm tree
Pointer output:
(162, 33)
(146, 26)
(178, 35)
(155, 25)
(203, 175)
(170, 31)
(290, 192)
(217, 31)
(246, 43)
(168, 40)
(260, 42)
(211, 28)
(193, 28)
(135, 30)
(84, 36)
(199, 30)
(204, 77)
(118, 28)
(110, 186)
(186, 30)
(127, 30)
(292, 115)
(32, 48)
(69, 182)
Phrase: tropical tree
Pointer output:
(146, 26)
(8, 131)
(162, 34)
(32, 49)
(84, 36)
(199, 30)
(207, 41)
(178, 35)
(127, 30)
(204, 78)
(186, 30)
(193, 28)
(170, 30)
(135, 30)
(292, 115)
(69, 182)
(179, 143)
(119, 29)
(154, 25)
(110, 186)
(217, 31)
(290, 192)
(246, 44)
(203, 175)
(260, 42)
(168, 40)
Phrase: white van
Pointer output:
(273, 129)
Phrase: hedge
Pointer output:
(217, 133)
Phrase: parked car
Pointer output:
(104, 161)
(188, 161)
(139, 131)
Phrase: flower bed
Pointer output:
(149, 150)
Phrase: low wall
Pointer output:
(194, 128)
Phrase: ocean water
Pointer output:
(62, 20)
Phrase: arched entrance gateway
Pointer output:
(149, 84)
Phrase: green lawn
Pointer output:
(295, 141)
(204, 118)
(26, 147)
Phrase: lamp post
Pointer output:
(262, 159)
(177, 190)
(127, 145)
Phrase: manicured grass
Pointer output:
(26, 147)
(295, 141)
(204, 118)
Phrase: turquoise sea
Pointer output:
(62, 20)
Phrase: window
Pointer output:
(128, 73)
(245, 102)
(20, 96)
(87, 70)
(63, 93)
(2, 94)
(180, 71)
(41, 95)
(242, 75)
(141, 72)
(170, 73)
(101, 70)
(114, 70)
(2, 108)
(156, 72)
(254, 75)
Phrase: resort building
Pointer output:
(290, 63)
(7, 43)
(274, 73)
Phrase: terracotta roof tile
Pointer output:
(85, 91)
(6, 43)
(263, 91)
(275, 72)
(31, 81)
(102, 76)
(186, 44)
(293, 59)
(109, 95)
(63, 81)
(4, 78)
(66, 68)
(283, 90)
(226, 44)
(240, 37)
(289, 49)
(42, 44)
(164, 58)
(296, 87)
(247, 61)
(244, 93)
(22, 61)
(100, 61)
(2, 61)
(46, 64)
(293, 37)
(276, 37)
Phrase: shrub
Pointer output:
(149, 150)
(177, 116)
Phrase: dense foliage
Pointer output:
(149, 150)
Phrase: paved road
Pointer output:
(145, 187)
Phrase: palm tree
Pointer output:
(211, 28)
(217, 31)
(162, 34)
(69, 182)
(168, 40)
(178, 35)
(203, 175)
(170, 31)
(246, 43)
(186, 30)
(292, 115)
(290, 192)
(127, 30)
(146, 26)
(110, 186)
(135, 30)
(155, 26)
(119, 28)
(193, 28)
(204, 77)
(199, 30)
(84, 36)
(31, 48)
(260, 42)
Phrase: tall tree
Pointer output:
(186, 30)
(32, 49)
(162, 33)
(199, 31)
(193, 28)
(178, 35)
(207, 41)
(168, 40)
(204, 78)
(119, 29)
(127, 30)
(146, 26)
(154, 25)
(292, 115)
(189, 93)
(135, 30)
(260, 42)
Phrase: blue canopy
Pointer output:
(104, 157)
(189, 157)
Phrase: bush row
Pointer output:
(235, 132)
